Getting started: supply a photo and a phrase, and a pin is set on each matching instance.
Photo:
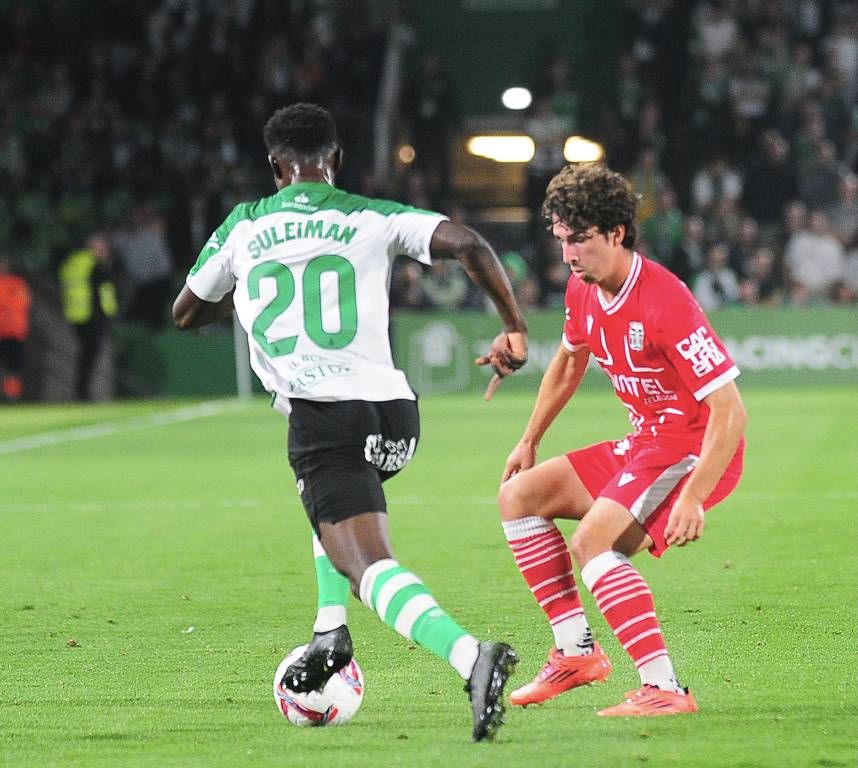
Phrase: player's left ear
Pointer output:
(618, 234)
(275, 167)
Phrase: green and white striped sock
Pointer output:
(404, 603)
(333, 590)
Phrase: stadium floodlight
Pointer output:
(516, 98)
(510, 148)
(580, 150)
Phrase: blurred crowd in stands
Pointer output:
(736, 121)
(145, 118)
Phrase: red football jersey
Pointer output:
(657, 348)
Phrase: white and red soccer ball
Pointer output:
(335, 704)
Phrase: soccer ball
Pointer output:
(335, 704)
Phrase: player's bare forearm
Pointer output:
(724, 430)
(508, 352)
(483, 268)
(486, 271)
(190, 311)
(559, 383)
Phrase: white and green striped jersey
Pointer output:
(311, 270)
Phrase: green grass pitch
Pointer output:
(153, 574)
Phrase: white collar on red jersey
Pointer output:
(614, 304)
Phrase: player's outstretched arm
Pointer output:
(559, 383)
(508, 351)
(724, 430)
(190, 311)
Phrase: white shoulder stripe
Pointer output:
(569, 345)
(717, 383)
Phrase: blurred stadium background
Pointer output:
(150, 580)
(736, 121)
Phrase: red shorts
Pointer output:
(646, 480)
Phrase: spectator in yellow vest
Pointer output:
(89, 302)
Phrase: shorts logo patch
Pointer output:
(622, 447)
(300, 485)
(636, 336)
(388, 455)
(625, 479)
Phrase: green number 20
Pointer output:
(311, 287)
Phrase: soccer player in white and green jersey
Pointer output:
(307, 272)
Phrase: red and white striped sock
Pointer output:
(626, 602)
(543, 558)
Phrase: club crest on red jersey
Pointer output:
(636, 336)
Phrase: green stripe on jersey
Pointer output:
(307, 197)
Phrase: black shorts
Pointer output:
(341, 453)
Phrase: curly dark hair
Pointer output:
(306, 130)
(590, 194)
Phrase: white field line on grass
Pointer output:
(128, 505)
(121, 426)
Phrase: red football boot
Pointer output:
(562, 673)
(649, 701)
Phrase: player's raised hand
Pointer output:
(507, 353)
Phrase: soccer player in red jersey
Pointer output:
(648, 490)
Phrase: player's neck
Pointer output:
(299, 174)
(613, 283)
(321, 172)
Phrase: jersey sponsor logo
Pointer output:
(300, 203)
(388, 455)
(309, 377)
(625, 479)
(700, 349)
(636, 336)
(650, 389)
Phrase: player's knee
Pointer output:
(581, 546)
(513, 499)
